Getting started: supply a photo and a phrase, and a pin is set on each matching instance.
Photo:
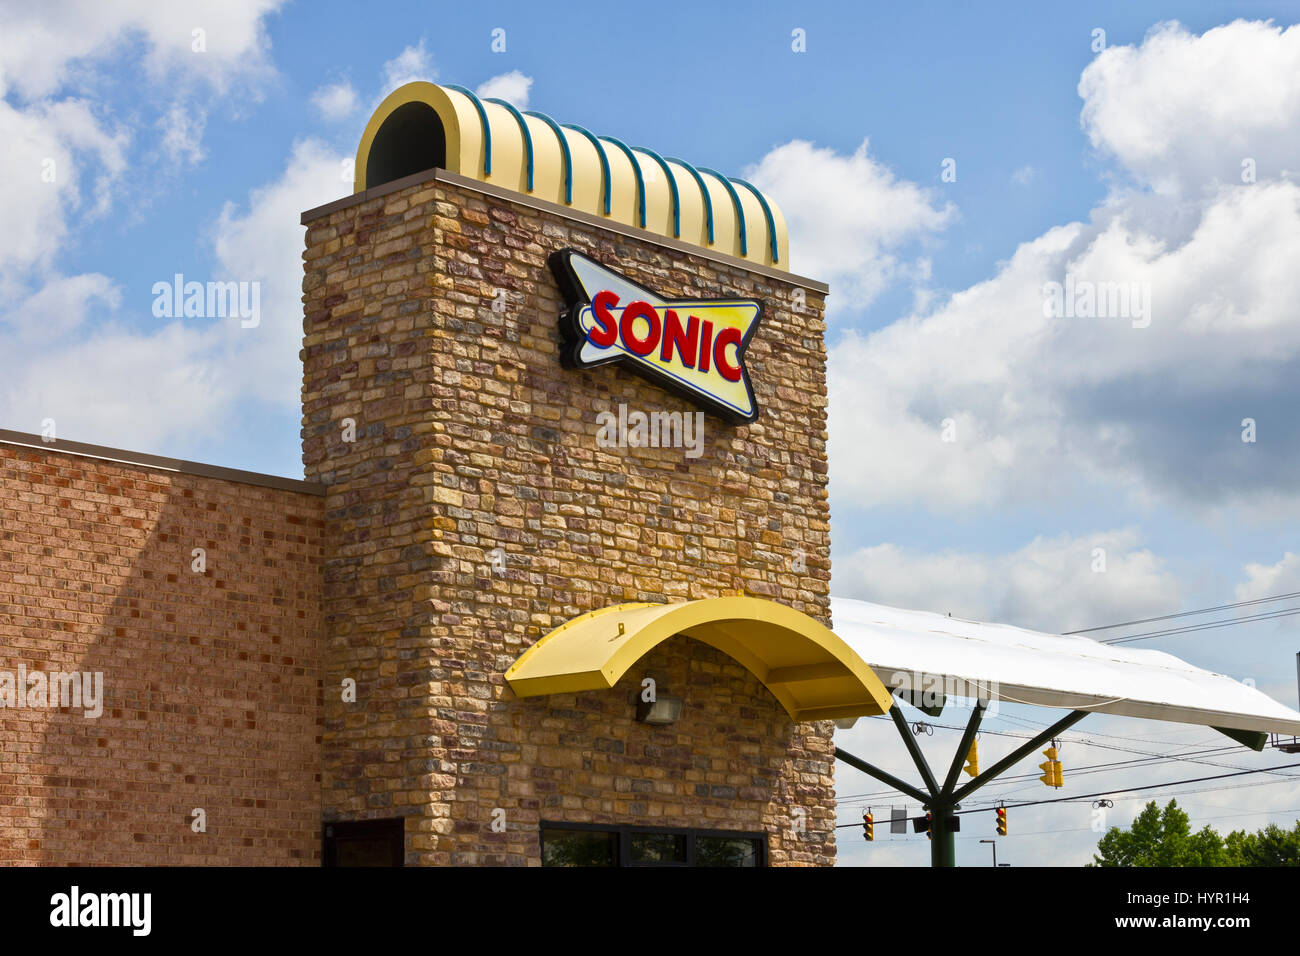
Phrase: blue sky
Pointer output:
(1113, 163)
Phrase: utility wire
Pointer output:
(1184, 793)
(1168, 632)
(1146, 758)
(1136, 763)
(1076, 771)
(1083, 741)
(1204, 610)
(1104, 793)
(1199, 819)
(1107, 793)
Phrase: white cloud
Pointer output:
(182, 128)
(48, 149)
(847, 216)
(1040, 401)
(513, 87)
(60, 306)
(413, 63)
(1043, 403)
(1049, 584)
(42, 44)
(335, 102)
(264, 243)
(174, 385)
(64, 150)
(119, 387)
(1181, 111)
(1024, 175)
(65, 351)
(1267, 580)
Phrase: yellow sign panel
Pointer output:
(694, 347)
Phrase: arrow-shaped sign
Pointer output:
(694, 347)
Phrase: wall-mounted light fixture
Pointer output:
(662, 710)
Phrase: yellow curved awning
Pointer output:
(814, 674)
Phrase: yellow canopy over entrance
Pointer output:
(814, 674)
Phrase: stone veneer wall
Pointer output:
(470, 436)
(211, 681)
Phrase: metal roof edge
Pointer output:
(159, 462)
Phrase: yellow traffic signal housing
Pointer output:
(973, 759)
(1002, 821)
(1052, 773)
(869, 826)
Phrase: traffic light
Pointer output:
(929, 825)
(1052, 775)
(973, 759)
(868, 826)
(1002, 821)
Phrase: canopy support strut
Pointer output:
(943, 801)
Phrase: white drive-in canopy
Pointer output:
(919, 651)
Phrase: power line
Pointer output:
(1198, 819)
(1107, 793)
(1280, 778)
(1204, 610)
(1090, 768)
(1137, 763)
(1269, 615)
(1083, 741)
(1146, 758)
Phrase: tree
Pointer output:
(1271, 846)
(1164, 838)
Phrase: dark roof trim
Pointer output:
(564, 212)
(159, 463)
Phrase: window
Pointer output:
(725, 851)
(657, 848)
(579, 848)
(584, 844)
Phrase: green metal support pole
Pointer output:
(943, 845)
(909, 741)
(943, 841)
(882, 775)
(943, 802)
(963, 748)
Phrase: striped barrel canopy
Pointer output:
(422, 126)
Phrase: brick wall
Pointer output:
(470, 436)
(211, 681)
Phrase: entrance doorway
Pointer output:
(364, 843)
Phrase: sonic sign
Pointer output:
(694, 347)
